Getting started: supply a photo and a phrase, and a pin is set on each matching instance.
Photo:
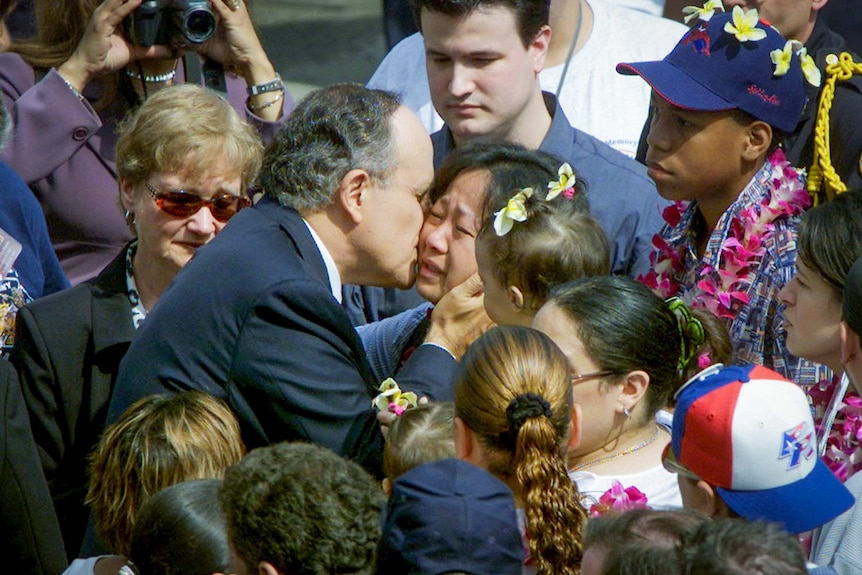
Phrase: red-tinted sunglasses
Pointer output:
(183, 204)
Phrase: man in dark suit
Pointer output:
(255, 319)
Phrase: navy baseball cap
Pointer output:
(446, 516)
(713, 69)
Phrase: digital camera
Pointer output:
(171, 22)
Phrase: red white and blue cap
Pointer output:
(710, 70)
(749, 433)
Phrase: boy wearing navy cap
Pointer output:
(721, 101)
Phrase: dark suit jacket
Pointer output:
(30, 540)
(251, 319)
(67, 353)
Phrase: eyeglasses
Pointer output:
(182, 204)
(668, 460)
(576, 378)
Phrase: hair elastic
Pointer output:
(691, 332)
(525, 406)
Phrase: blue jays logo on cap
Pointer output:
(698, 39)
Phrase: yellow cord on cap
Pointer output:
(823, 181)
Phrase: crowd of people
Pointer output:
(505, 309)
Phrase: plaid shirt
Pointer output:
(756, 330)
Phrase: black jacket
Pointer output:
(30, 541)
(67, 353)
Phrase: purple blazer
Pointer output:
(64, 150)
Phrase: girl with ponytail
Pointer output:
(514, 416)
(628, 351)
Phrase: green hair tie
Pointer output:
(691, 332)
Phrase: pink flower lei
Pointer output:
(619, 499)
(725, 289)
(843, 450)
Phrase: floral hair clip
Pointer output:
(705, 13)
(565, 185)
(782, 58)
(515, 211)
(392, 399)
(744, 25)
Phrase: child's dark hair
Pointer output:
(420, 435)
(181, 531)
(660, 528)
(642, 541)
(509, 167)
(530, 15)
(626, 327)
(515, 394)
(557, 243)
(732, 546)
(829, 239)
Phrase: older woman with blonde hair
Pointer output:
(185, 161)
(90, 66)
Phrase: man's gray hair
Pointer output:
(332, 131)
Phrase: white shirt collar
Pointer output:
(331, 269)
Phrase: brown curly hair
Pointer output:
(515, 394)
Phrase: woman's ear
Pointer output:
(127, 195)
(633, 390)
(352, 194)
(577, 426)
(463, 439)
(467, 446)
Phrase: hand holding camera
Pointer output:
(103, 49)
(171, 23)
(124, 31)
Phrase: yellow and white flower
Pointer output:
(391, 399)
(705, 13)
(809, 67)
(566, 182)
(782, 58)
(744, 25)
(515, 211)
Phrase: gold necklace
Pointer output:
(613, 456)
